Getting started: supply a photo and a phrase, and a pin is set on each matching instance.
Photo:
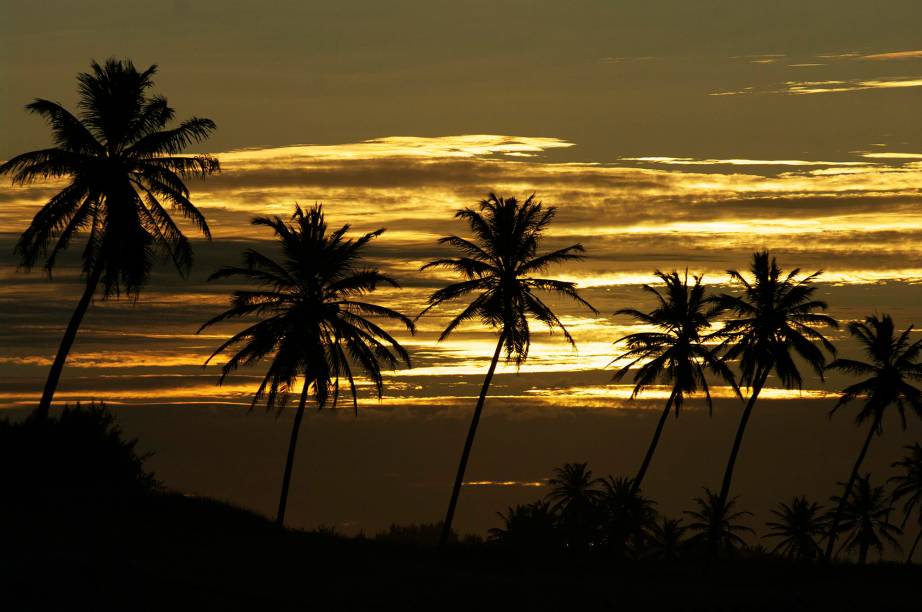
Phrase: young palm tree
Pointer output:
(892, 365)
(312, 320)
(626, 517)
(674, 354)
(498, 265)
(801, 526)
(773, 321)
(528, 527)
(574, 496)
(123, 173)
(716, 525)
(865, 520)
(666, 539)
(908, 487)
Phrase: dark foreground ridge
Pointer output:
(85, 527)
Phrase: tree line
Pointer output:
(310, 316)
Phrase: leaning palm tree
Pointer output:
(865, 520)
(312, 320)
(908, 488)
(800, 526)
(123, 173)
(716, 525)
(574, 495)
(772, 321)
(891, 367)
(675, 353)
(498, 265)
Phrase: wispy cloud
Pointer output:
(894, 55)
(820, 87)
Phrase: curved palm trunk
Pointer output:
(834, 527)
(289, 463)
(468, 443)
(656, 436)
(57, 366)
(912, 550)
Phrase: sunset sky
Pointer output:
(668, 134)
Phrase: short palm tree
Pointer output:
(888, 374)
(716, 525)
(498, 266)
(528, 527)
(772, 321)
(675, 353)
(800, 526)
(125, 176)
(908, 489)
(312, 320)
(574, 496)
(666, 539)
(865, 520)
(626, 517)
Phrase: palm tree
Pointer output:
(529, 527)
(773, 320)
(800, 525)
(892, 364)
(865, 520)
(666, 539)
(312, 319)
(123, 172)
(674, 354)
(574, 496)
(497, 265)
(909, 487)
(716, 525)
(626, 517)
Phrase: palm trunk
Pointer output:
(863, 553)
(468, 443)
(912, 550)
(289, 463)
(51, 384)
(761, 377)
(656, 435)
(834, 527)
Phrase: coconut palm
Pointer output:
(574, 495)
(887, 386)
(772, 321)
(528, 527)
(124, 178)
(666, 539)
(675, 353)
(716, 525)
(800, 525)
(908, 488)
(865, 520)
(498, 266)
(312, 319)
(626, 517)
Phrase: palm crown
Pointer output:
(123, 172)
(799, 526)
(312, 319)
(498, 265)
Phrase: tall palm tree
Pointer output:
(124, 172)
(800, 525)
(574, 495)
(675, 354)
(892, 365)
(312, 318)
(716, 525)
(498, 265)
(908, 487)
(865, 520)
(772, 321)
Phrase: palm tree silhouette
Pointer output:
(530, 526)
(626, 517)
(908, 487)
(666, 539)
(893, 363)
(773, 320)
(497, 266)
(865, 520)
(574, 495)
(124, 172)
(800, 525)
(675, 354)
(716, 525)
(311, 318)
